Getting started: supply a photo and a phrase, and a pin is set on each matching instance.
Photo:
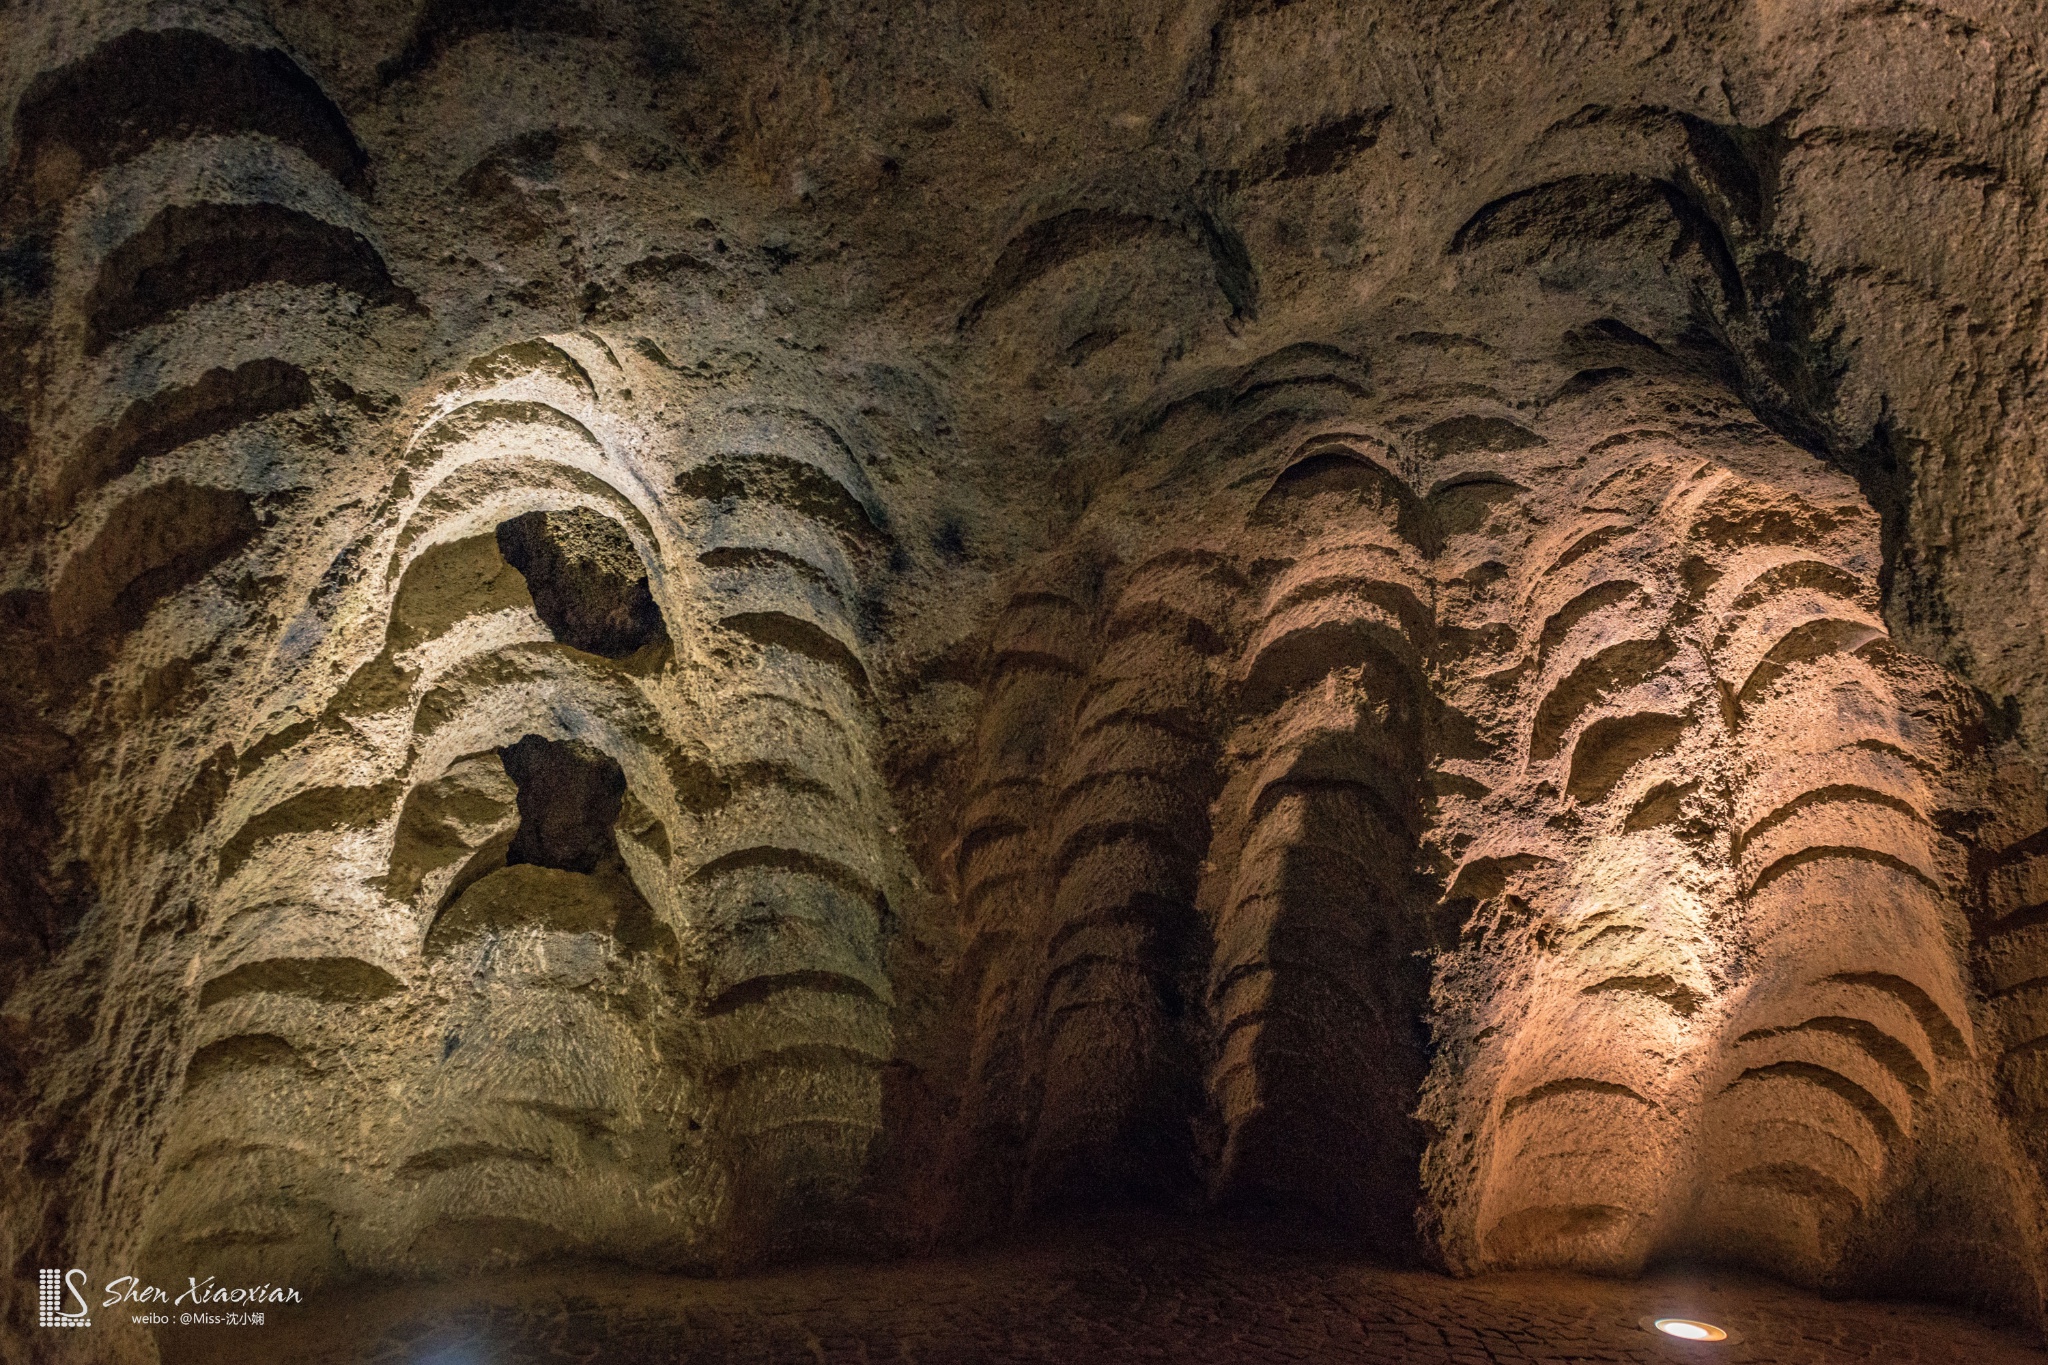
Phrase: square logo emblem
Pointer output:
(54, 1288)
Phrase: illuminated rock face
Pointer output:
(1555, 767)
(633, 638)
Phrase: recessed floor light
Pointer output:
(1688, 1329)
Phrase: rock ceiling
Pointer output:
(695, 633)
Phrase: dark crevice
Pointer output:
(569, 799)
(588, 583)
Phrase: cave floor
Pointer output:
(1132, 1292)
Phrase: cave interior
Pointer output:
(949, 682)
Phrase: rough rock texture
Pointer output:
(692, 634)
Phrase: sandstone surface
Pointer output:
(698, 635)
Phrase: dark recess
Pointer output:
(219, 400)
(444, 23)
(117, 102)
(1052, 242)
(190, 253)
(569, 797)
(587, 581)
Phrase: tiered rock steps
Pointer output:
(655, 1031)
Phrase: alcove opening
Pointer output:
(588, 583)
(561, 870)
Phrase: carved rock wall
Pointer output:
(687, 635)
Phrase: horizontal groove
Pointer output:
(191, 253)
(1172, 722)
(1947, 1039)
(789, 703)
(1168, 843)
(1277, 1006)
(755, 558)
(218, 401)
(1396, 599)
(1611, 747)
(2034, 845)
(1019, 601)
(2025, 1048)
(1335, 467)
(1335, 912)
(794, 485)
(334, 980)
(226, 1239)
(990, 829)
(1680, 999)
(1874, 1111)
(1161, 614)
(591, 1121)
(1014, 661)
(1560, 622)
(2026, 917)
(984, 889)
(1591, 681)
(1585, 545)
(1799, 1180)
(114, 103)
(777, 858)
(1912, 760)
(456, 492)
(1138, 1012)
(1162, 783)
(1485, 877)
(1369, 794)
(1800, 573)
(861, 1123)
(1569, 1085)
(1079, 964)
(1302, 657)
(1882, 1049)
(1185, 557)
(1020, 787)
(227, 1149)
(762, 773)
(153, 543)
(243, 1052)
(1814, 639)
(1182, 627)
(799, 636)
(1842, 791)
(756, 990)
(316, 810)
(1147, 910)
(2032, 983)
(1822, 852)
(522, 360)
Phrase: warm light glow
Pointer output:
(1688, 1330)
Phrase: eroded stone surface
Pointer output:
(691, 635)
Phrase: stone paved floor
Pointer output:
(1130, 1293)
